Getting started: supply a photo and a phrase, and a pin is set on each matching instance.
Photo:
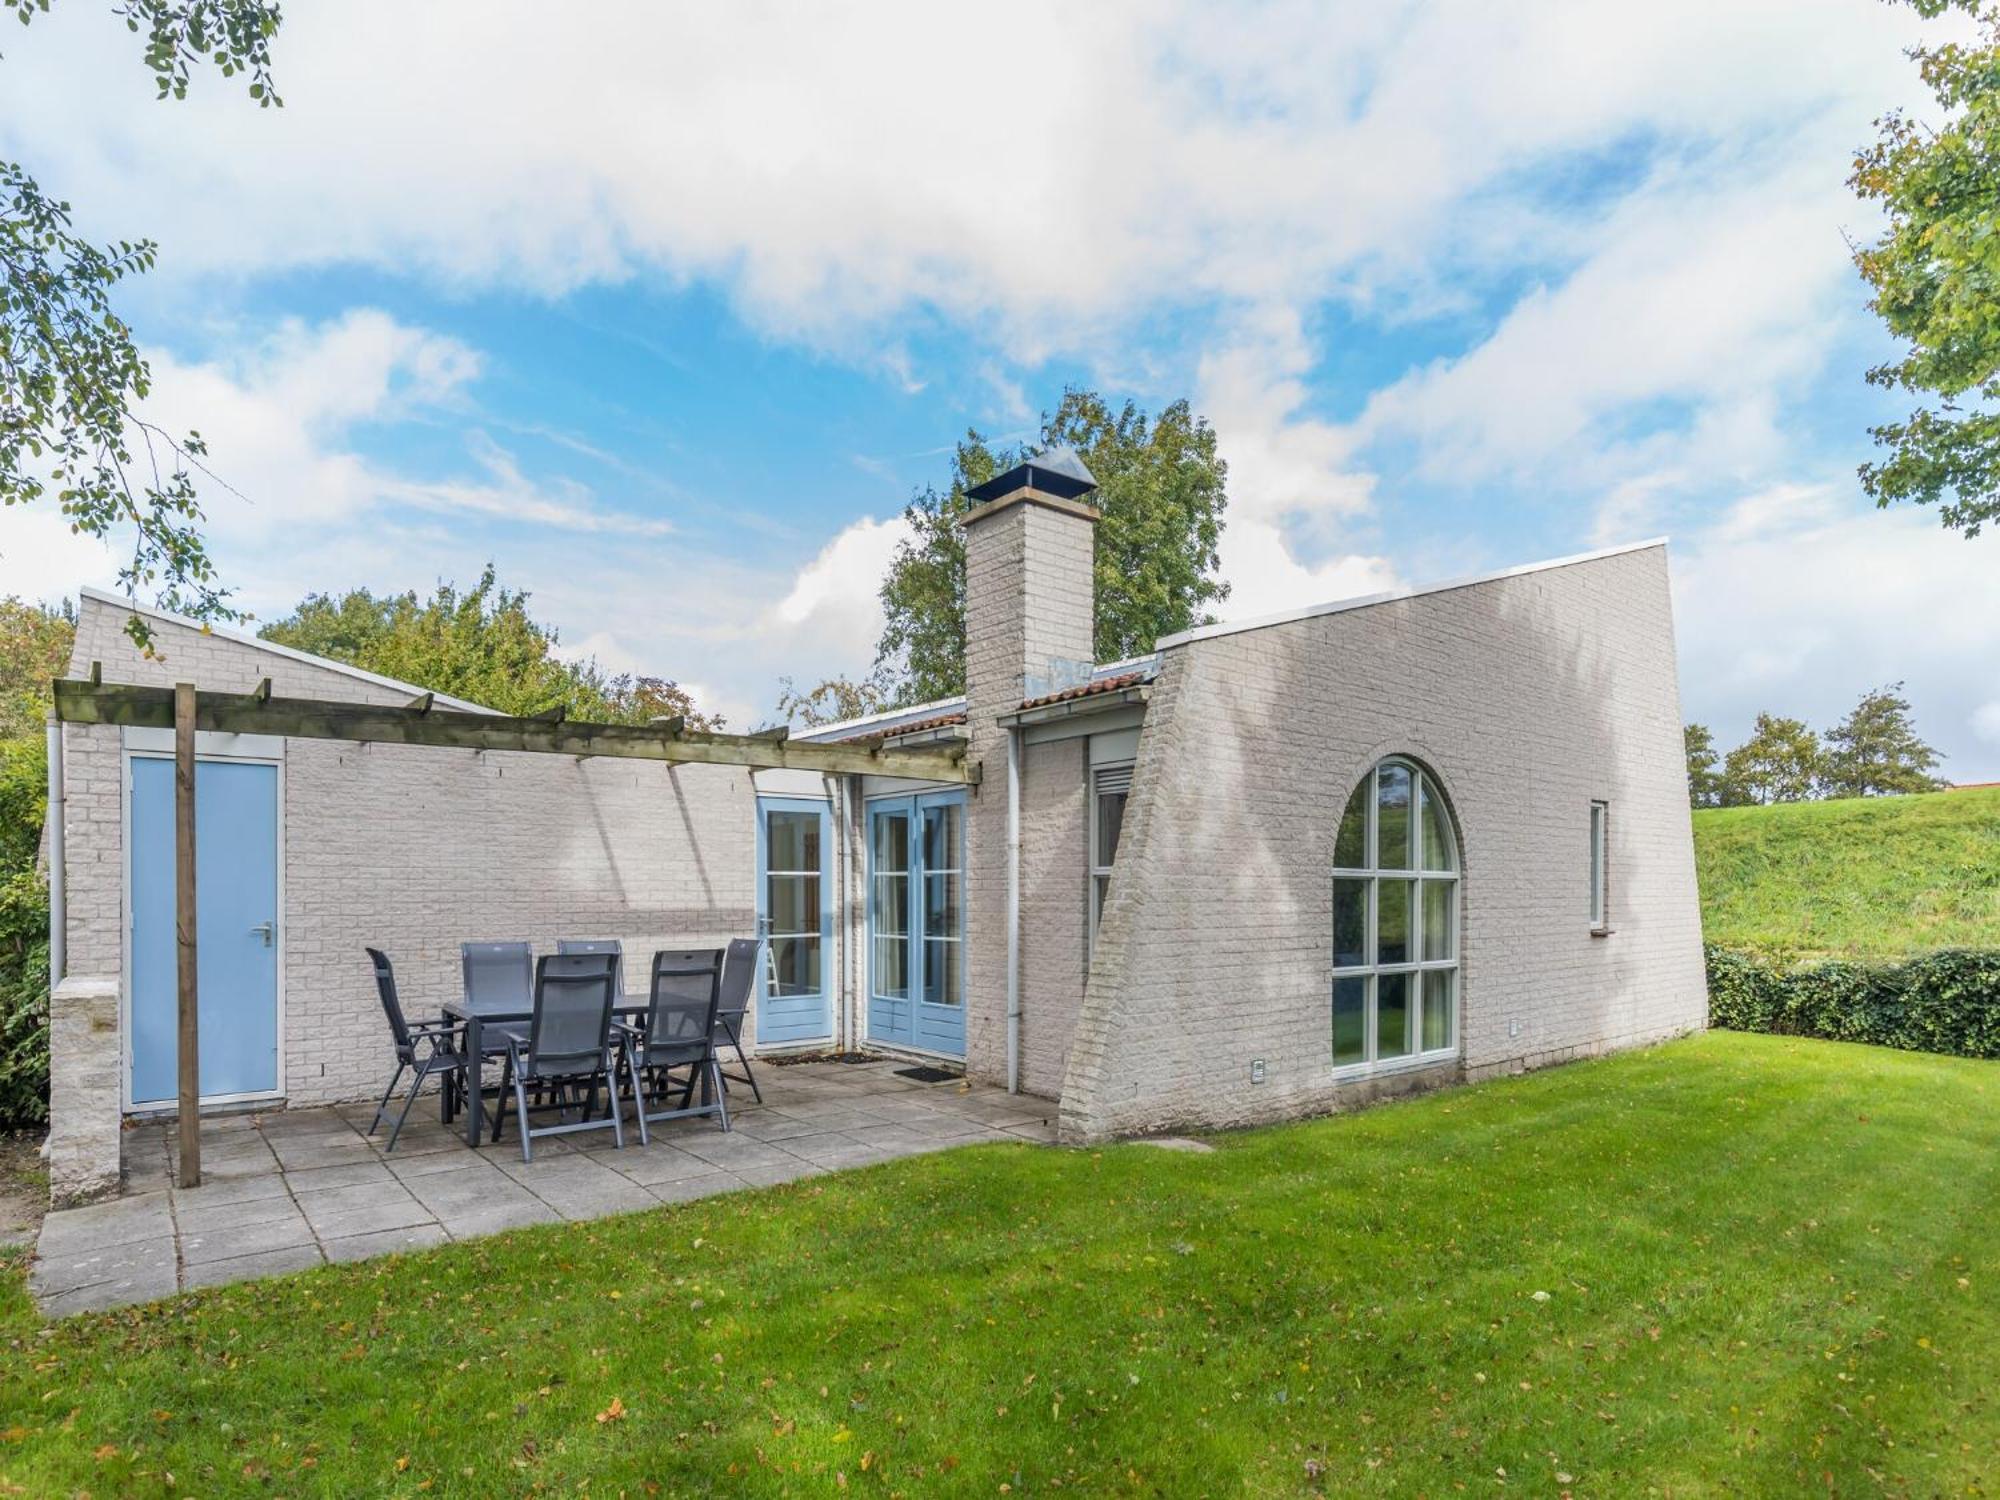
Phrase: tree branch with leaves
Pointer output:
(1935, 272)
(72, 381)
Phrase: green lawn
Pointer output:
(1876, 877)
(1732, 1265)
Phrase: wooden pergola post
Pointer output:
(189, 1057)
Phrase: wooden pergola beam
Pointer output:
(422, 723)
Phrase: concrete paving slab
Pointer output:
(220, 1218)
(278, 1262)
(219, 1190)
(654, 1164)
(347, 1174)
(791, 1171)
(149, 1285)
(705, 1186)
(340, 1212)
(459, 1192)
(492, 1218)
(386, 1242)
(202, 1246)
(143, 1265)
(99, 1226)
(732, 1151)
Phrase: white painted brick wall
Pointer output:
(415, 850)
(1029, 596)
(1055, 912)
(1529, 696)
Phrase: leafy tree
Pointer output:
(1780, 762)
(1704, 780)
(480, 644)
(35, 645)
(832, 701)
(1935, 272)
(1875, 751)
(71, 379)
(1162, 489)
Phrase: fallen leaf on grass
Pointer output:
(615, 1412)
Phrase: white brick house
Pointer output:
(1272, 867)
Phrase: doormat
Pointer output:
(928, 1075)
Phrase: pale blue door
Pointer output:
(916, 922)
(236, 929)
(795, 916)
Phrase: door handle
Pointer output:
(265, 930)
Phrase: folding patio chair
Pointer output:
(567, 1050)
(428, 1049)
(678, 1032)
(600, 945)
(739, 973)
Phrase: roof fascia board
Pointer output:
(1367, 601)
(914, 712)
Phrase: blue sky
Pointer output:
(667, 314)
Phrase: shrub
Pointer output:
(24, 1001)
(1948, 1001)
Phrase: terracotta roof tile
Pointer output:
(896, 731)
(1116, 684)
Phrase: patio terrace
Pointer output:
(290, 1189)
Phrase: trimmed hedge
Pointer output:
(1948, 1001)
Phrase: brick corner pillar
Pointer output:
(1030, 618)
(85, 1114)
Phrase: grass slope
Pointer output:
(1769, 1268)
(1879, 877)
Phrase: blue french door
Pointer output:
(236, 929)
(795, 917)
(916, 922)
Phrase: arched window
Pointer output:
(1395, 923)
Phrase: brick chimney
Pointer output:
(1030, 613)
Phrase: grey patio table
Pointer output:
(477, 1018)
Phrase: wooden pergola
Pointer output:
(420, 722)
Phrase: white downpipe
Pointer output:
(1013, 909)
(53, 821)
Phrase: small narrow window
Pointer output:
(1600, 817)
(1109, 787)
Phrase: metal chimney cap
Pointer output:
(1058, 471)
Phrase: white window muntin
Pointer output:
(1417, 875)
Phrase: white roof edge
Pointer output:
(1415, 591)
(153, 611)
(914, 711)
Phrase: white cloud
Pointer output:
(1289, 487)
(1053, 165)
(281, 418)
(1986, 722)
(1048, 181)
(1797, 602)
(41, 559)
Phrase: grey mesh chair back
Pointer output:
(498, 976)
(571, 1029)
(392, 1006)
(739, 974)
(680, 1031)
(680, 1014)
(599, 945)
